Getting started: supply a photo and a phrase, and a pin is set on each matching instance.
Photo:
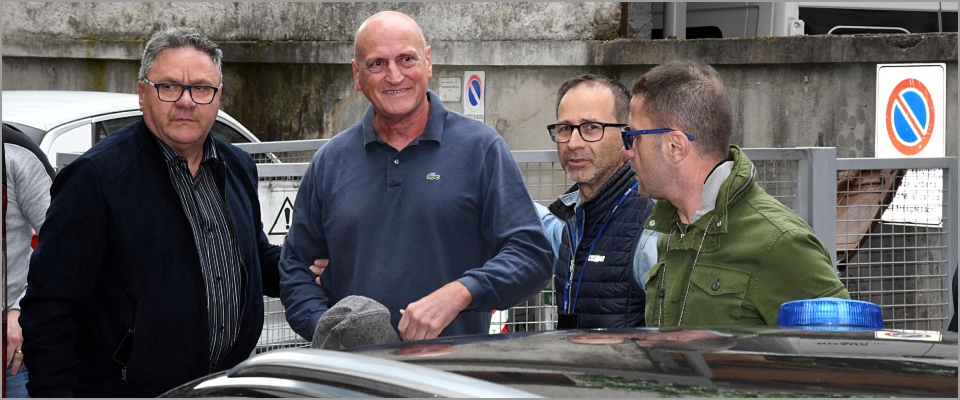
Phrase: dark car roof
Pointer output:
(710, 362)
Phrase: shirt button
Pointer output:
(396, 161)
(222, 327)
(661, 293)
(716, 285)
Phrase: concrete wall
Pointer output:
(312, 21)
(288, 82)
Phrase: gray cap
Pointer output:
(353, 322)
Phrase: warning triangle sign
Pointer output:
(281, 224)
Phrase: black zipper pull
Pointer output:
(123, 373)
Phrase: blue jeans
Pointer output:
(17, 384)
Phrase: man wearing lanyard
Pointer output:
(601, 249)
(730, 254)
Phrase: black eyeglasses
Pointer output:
(171, 92)
(589, 131)
(628, 135)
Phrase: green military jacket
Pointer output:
(752, 254)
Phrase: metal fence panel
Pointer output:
(899, 257)
(902, 268)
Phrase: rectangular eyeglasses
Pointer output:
(589, 131)
(171, 92)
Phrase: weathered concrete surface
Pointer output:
(937, 47)
(640, 20)
(786, 92)
(912, 48)
(311, 21)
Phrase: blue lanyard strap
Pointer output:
(567, 307)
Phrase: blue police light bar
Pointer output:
(830, 314)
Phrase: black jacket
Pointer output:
(116, 304)
(609, 295)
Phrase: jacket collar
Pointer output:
(610, 191)
(742, 175)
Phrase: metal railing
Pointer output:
(902, 267)
(905, 253)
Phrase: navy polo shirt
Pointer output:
(398, 225)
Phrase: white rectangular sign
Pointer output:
(450, 89)
(474, 94)
(910, 110)
(911, 106)
(276, 207)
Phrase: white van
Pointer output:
(751, 19)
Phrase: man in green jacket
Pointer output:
(729, 253)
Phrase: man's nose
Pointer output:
(186, 99)
(394, 75)
(628, 153)
(576, 140)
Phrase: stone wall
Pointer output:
(312, 21)
(287, 71)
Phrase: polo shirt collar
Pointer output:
(433, 131)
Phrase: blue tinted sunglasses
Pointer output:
(627, 135)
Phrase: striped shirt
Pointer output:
(216, 243)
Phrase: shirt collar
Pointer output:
(433, 131)
(711, 188)
(572, 199)
(171, 155)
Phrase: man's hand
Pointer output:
(14, 341)
(318, 267)
(427, 317)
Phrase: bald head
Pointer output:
(385, 22)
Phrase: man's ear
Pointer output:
(140, 94)
(678, 146)
(356, 75)
(429, 63)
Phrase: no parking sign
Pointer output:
(474, 95)
(911, 104)
(910, 108)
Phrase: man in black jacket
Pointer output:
(152, 262)
(596, 227)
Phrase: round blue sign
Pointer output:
(910, 117)
(906, 126)
(474, 91)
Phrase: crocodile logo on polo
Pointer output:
(433, 176)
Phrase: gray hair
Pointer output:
(689, 96)
(178, 38)
(621, 99)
